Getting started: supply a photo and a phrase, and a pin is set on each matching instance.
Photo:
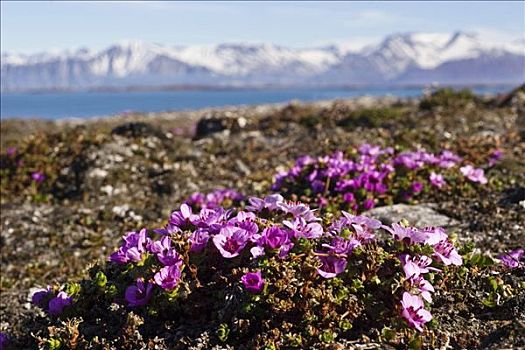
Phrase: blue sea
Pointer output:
(92, 104)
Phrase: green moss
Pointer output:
(373, 117)
(448, 98)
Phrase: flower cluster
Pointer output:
(415, 266)
(138, 246)
(345, 234)
(224, 197)
(220, 230)
(258, 251)
(371, 175)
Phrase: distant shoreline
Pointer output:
(184, 87)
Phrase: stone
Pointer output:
(215, 123)
(420, 215)
(137, 129)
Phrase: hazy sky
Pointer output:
(36, 26)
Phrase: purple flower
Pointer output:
(302, 229)
(349, 197)
(165, 253)
(253, 281)
(196, 199)
(437, 180)
(120, 256)
(322, 202)
(417, 187)
(133, 247)
(38, 176)
(297, 209)
(40, 297)
(361, 220)
(448, 159)
(274, 237)
(58, 303)
(139, 294)
(495, 156)
(231, 241)
(473, 174)
(371, 150)
(342, 246)
(3, 340)
(168, 277)
(317, 186)
(513, 258)
(332, 266)
(138, 240)
(269, 203)
(184, 219)
(368, 204)
(214, 199)
(199, 240)
(11, 151)
(413, 311)
(363, 234)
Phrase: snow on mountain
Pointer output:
(399, 58)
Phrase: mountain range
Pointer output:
(399, 59)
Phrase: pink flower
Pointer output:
(409, 235)
(473, 174)
(38, 176)
(414, 266)
(437, 180)
(413, 311)
(253, 281)
(447, 253)
(424, 288)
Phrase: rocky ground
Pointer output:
(106, 176)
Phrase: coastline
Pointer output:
(14, 128)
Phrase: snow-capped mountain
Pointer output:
(415, 58)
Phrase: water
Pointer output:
(91, 104)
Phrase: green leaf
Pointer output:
(223, 332)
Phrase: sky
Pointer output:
(29, 27)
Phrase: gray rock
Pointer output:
(420, 215)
